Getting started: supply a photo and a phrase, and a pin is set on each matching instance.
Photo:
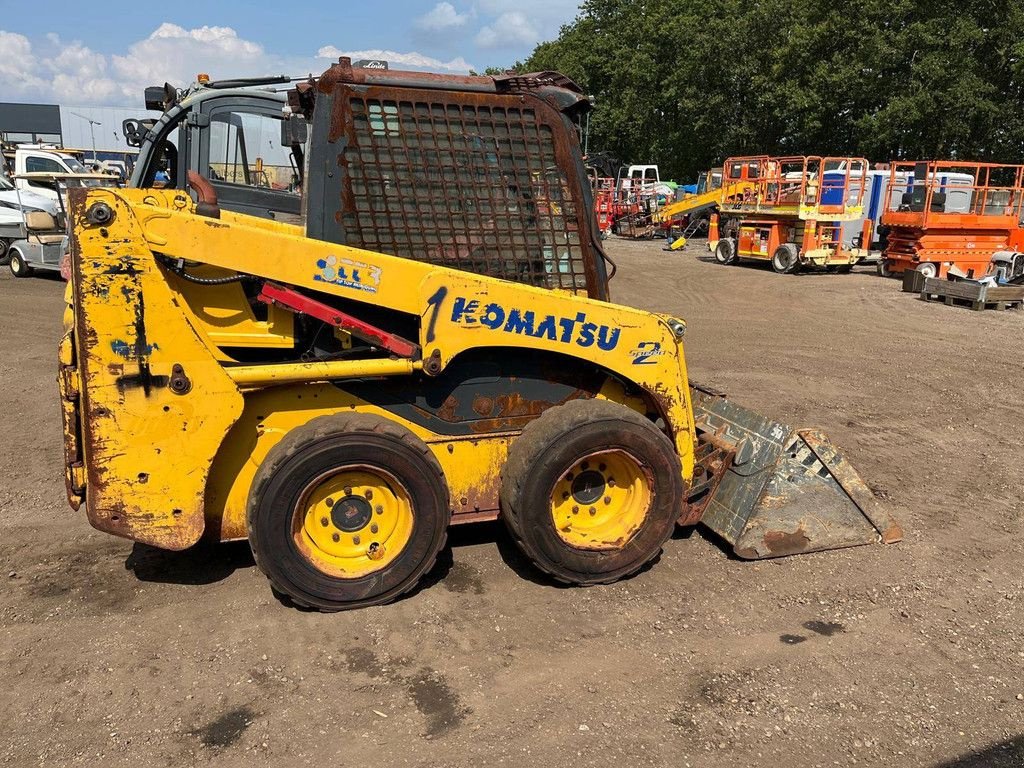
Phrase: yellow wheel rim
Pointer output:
(602, 500)
(353, 521)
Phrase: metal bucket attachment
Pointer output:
(784, 491)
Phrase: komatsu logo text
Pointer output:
(574, 329)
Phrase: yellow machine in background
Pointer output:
(340, 394)
(709, 196)
(700, 202)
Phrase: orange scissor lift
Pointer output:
(790, 211)
(603, 190)
(943, 214)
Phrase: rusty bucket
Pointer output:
(782, 491)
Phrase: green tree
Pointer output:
(685, 83)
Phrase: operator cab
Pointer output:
(481, 174)
(228, 132)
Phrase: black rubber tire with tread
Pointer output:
(333, 441)
(785, 259)
(5, 247)
(725, 251)
(16, 263)
(548, 447)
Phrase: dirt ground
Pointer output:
(908, 655)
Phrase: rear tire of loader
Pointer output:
(321, 534)
(725, 251)
(566, 510)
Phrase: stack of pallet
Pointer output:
(972, 294)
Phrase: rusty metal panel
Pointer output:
(483, 182)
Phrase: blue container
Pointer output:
(832, 188)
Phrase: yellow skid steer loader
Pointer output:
(433, 346)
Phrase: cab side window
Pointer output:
(43, 165)
(245, 149)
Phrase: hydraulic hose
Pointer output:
(177, 266)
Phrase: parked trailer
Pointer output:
(791, 212)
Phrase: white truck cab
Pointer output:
(32, 163)
(639, 178)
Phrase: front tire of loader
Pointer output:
(591, 491)
(347, 511)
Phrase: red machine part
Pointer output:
(297, 302)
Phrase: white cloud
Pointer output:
(49, 69)
(508, 30)
(19, 68)
(442, 16)
(417, 60)
(80, 74)
(176, 55)
(519, 25)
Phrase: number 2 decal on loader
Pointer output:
(644, 351)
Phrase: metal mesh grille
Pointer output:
(472, 186)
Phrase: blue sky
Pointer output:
(77, 54)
